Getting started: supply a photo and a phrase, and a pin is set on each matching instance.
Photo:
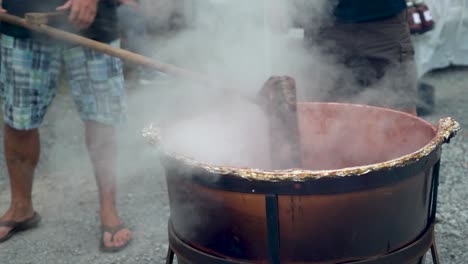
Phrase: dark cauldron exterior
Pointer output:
(333, 218)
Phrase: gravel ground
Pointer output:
(65, 192)
(452, 231)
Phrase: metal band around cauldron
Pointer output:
(307, 181)
(324, 185)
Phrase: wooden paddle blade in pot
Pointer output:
(278, 98)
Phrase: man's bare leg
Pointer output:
(100, 140)
(22, 150)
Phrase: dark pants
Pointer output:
(132, 25)
(374, 62)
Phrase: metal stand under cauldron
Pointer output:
(418, 248)
(335, 210)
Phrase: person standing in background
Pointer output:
(371, 41)
(132, 27)
(29, 70)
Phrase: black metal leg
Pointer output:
(271, 201)
(170, 256)
(433, 212)
(422, 260)
(435, 192)
(435, 255)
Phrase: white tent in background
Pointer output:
(447, 44)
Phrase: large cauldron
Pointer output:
(366, 195)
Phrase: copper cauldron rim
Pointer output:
(446, 130)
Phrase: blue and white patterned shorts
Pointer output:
(29, 73)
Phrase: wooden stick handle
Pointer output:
(108, 49)
(126, 55)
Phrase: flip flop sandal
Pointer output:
(112, 231)
(16, 227)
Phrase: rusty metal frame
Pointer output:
(416, 249)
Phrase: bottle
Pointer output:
(414, 18)
(426, 15)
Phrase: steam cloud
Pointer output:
(240, 42)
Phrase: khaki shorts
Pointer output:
(375, 62)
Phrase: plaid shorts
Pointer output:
(29, 73)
